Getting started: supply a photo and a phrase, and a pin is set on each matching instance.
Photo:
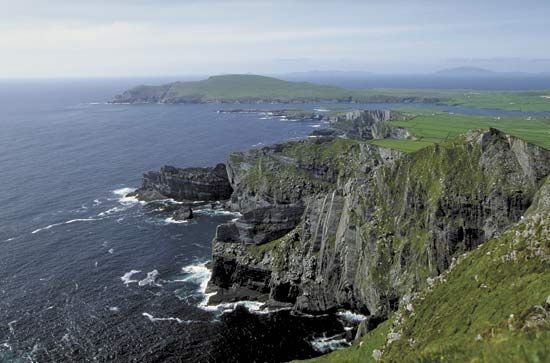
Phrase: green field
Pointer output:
(526, 101)
(430, 127)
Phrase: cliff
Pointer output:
(190, 184)
(491, 305)
(332, 222)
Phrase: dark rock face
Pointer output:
(183, 213)
(191, 184)
(370, 124)
(261, 225)
(373, 225)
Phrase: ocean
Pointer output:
(89, 275)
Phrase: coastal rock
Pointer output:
(190, 184)
(376, 224)
(370, 124)
(183, 214)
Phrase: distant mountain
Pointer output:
(316, 74)
(465, 71)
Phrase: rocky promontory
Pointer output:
(190, 187)
(336, 223)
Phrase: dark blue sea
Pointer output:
(89, 275)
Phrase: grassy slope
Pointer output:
(243, 87)
(492, 306)
(431, 127)
(246, 87)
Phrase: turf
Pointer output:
(428, 127)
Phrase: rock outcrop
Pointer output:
(336, 222)
(190, 184)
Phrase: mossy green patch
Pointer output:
(491, 307)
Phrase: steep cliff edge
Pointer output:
(190, 184)
(375, 224)
(491, 305)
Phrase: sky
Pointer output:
(125, 38)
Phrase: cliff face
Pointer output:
(191, 184)
(338, 223)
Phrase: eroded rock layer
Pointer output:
(335, 222)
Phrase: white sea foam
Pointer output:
(315, 126)
(6, 345)
(112, 210)
(150, 279)
(114, 309)
(11, 324)
(198, 274)
(178, 320)
(321, 110)
(67, 222)
(171, 220)
(351, 316)
(127, 277)
(122, 194)
(217, 212)
(327, 344)
(111, 250)
(255, 307)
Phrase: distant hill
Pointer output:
(235, 88)
(246, 88)
(465, 71)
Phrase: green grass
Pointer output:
(407, 146)
(491, 307)
(521, 101)
(430, 127)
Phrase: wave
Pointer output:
(150, 279)
(253, 307)
(122, 194)
(199, 274)
(178, 320)
(315, 126)
(11, 324)
(328, 344)
(67, 222)
(351, 316)
(216, 212)
(127, 277)
(171, 220)
(111, 211)
(321, 110)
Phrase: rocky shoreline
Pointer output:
(333, 222)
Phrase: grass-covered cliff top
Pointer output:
(253, 88)
(428, 127)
